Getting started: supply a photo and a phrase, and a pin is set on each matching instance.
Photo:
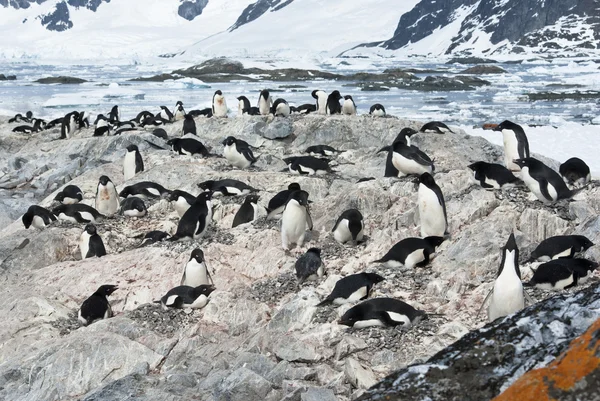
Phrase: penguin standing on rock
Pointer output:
(189, 125)
(181, 201)
(238, 153)
(195, 272)
(248, 212)
(69, 125)
(333, 103)
(321, 100)
(432, 207)
(295, 220)
(410, 159)
(107, 198)
(179, 111)
(114, 117)
(165, 114)
(507, 295)
(575, 172)
(545, 183)
(90, 243)
(264, 102)
(219, 106)
(243, 105)
(277, 203)
(69, 195)
(349, 227)
(352, 288)
(133, 163)
(37, 217)
(348, 107)
(309, 266)
(516, 145)
(196, 219)
(96, 306)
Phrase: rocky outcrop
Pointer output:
(89, 4)
(191, 9)
(255, 10)
(60, 80)
(7, 77)
(59, 19)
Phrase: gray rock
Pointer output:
(279, 128)
(243, 385)
(358, 375)
(318, 394)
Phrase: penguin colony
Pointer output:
(560, 268)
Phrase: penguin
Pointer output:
(321, 98)
(264, 102)
(349, 227)
(307, 165)
(352, 288)
(54, 123)
(133, 207)
(277, 203)
(196, 219)
(507, 295)
(219, 106)
(295, 220)
(189, 125)
(107, 199)
(560, 246)
(575, 172)
(69, 195)
(238, 153)
(553, 276)
(142, 115)
(153, 237)
(96, 306)
(126, 124)
(516, 145)
(145, 190)
(40, 124)
(333, 103)
(90, 243)
(492, 176)
(179, 111)
(321, 150)
(24, 129)
(243, 105)
(69, 125)
(226, 187)
(182, 201)
(114, 117)
(160, 133)
(377, 110)
(195, 272)
(411, 252)
(348, 107)
(101, 126)
(432, 208)
(133, 163)
(582, 268)
(17, 118)
(410, 160)
(280, 108)
(404, 136)
(546, 184)
(77, 213)
(152, 121)
(207, 112)
(381, 312)
(437, 127)
(37, 217)
(122, 130)
(309, 266)
(248, 212)
(188, 146)
(165, 114)
(185, 297)
(304, 109)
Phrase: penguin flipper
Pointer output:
(324, 302)
(385, 318)
(139, 163)
(309, 221)
(384, 149)
(80, 219)
(544, 189)
(487, 297)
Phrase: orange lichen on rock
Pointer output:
(489, 126)
(580, 360)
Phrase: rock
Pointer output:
(359, 376)
(60, 80)
(243, 385)
(349, 345)
(279, 128)
(292, 349)
(191, 9)
(318, 394)
(484, 69)
(156, 78)
(7, 77)
(470, 60)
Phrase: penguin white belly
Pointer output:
(342, 233)
(293, 225)
(171, 300)
(362, 324)
(414, 257)
(108, 313)
(559, 285)
(511, 149)
(38, 222)
(81, 319)
(220, 107)
(507, 296)
(179, 115)
(406, 166)
(491, 182)
(134, 213)
(564, 254)
(392, 264)
(307, 170)
(534, 186)
(321, 103)
(70, 201)
(399, 318)
(66, 217)
(72, 126)
(256, 211)
(348, 108)
(431, 213)
(235, 158)
(129, 165)
(195, 274)
(87, 216)
(84, 244)
(263, 106)
(199, 303)
(378, 113)
(355, 296)
(273, 214)
(181, 206)
(106, 201)
(282, 110)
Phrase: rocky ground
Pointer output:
(261, 336)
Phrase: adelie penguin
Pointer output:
(516, 145)
(186, 297)
(102, 126)
(349, 227)
(238, 152)
(321, 150)
(154, 236)
(280, 108)
(77, 213)
(145, 190)
(179, 111)
(321, 100)
(133, 207)
(355, 287)
(189, 125)
(207, 112)
(243, 105)
(545, 183)
(411, 252)
(410, 160)
(96, 307)
(561, 274)
(560, 246)
(381, 312)
(165, 114)
(188, 146)
(195, 220)
(107, 198)
(69, 125)
(181, 201)
(37, 217)
(226, 187)
(248, 212)
(309, 266)
(195, 272)
(69, 195)
(432, 208)
(575, 172)
(348, 107)
(90, 243)
(219, 106)
(295, 220)
(277, 203)
(437, 127)
(264, 102)
(333, 103)
(377, 110)
(132, 163)
(307, 165)
(492, 176)
(114, 117)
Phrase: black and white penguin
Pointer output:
(96, 306)
(69, 125)
(264, 102)
(309, 266)
(349, 227)
(114, 117)
(295, 220)
(90, 243)
(507, 295)
(107, 198)
(243, 105)
(185, 297)
(516, 145)
(381, 312)
(248, 212)
(377, 110)
(492, 175)
(238, 152)
(307, 165)
(226, 187)
(582, 268)
(195, 272)
(77, 213)
(133, 207)
(280, 108)
(575, 172)
(404, 136)
(26, 129)
(54, 123)
(154, 121)
(196, 219)
(160, 133)
(306, 108)
(546, 184)
(348, 107)
(37, 217)
(321, 150)
(437, 127)
(333, 103)
(352, 288)
(219, 105)
(181, 201)
(189, 125)
(142, 115)
(179, 111)
(153, 237)
(411, 252)
(553, 276)
(321, 100)
(84, 119)
(410, 160)
(17, 118)
(145, 190)
(188, 146)
(132, 163)
(101, 126)
(432, 208)
(277, 203)
(560, 246)
(207, 112)
(165, 114)
(69, 195)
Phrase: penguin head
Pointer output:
(27, 218)
(352, 316)
(584, 243)
(218, 93)
(427, 180)
(90, 229)
(229, 141)
(59, 197)
(301, 197)
(314, 93)
(204, 196)
(139, 205)
(174, 195)
(522, 162)
(198, 255)
(188, 116)
(241, 98)
(510, 250)
(264, 94)
(106, 290)
(104, 180)
(405, 133)
(132, 148)
(336, 95)
(179, 103)
(207, 185)
(29, 114)
(59, 209)
(180, 107)
(252, 198)
(205, 289)
(374, 277)
(348, 97)
(434, 241)
(476, 166)
(125, 192)
(508, 125)
(294, 186)
(316, 251)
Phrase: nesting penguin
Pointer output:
(186, 297)
(381, 312)
(309, 266)
(492, 176)
(90, 243)
(560, 246)
(295, 220)
(432, 208)
(277, 203)
(144, 190)
(377, 110)
(280, 108)
(321, 150)
(349, 227)
(238, 152)
(545, 183)
(181, 201)
(77, 213)
(154, 236)
(195, 272)
(188, 146)
(219, 106)
(411, 252)
(575, 172)
(307, 165)
(348, 107)
(248, 212)
(321, 100)
(516, 145)
(507, 295)
(557, 275)
(96, 306)
(69, 195)
(352, 288)
(37, 217)
(333, 103)
(437, 127)
(196, 219)
(226, 187)
(107, 198)
(133, 207)
(132, 163)
(264, 102)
